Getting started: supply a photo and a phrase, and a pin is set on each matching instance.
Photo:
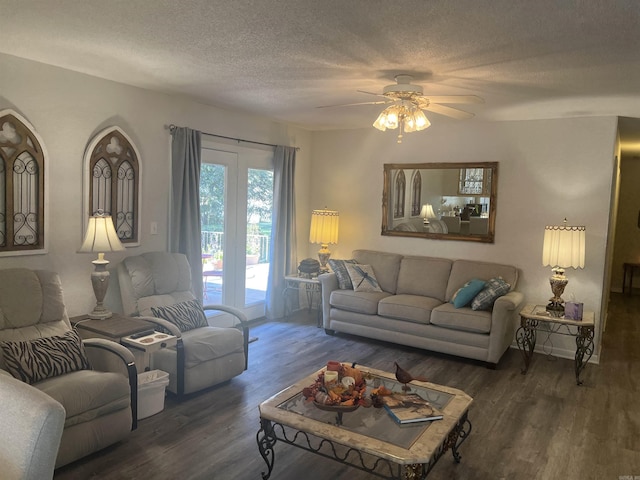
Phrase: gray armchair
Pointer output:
(204, 356)
(35, 422)
(39, 347)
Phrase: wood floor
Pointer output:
(535, 426)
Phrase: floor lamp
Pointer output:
(99, 238)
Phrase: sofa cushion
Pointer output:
(467, 293)
(34, 360)
(339, 267)
(88, 394)
(363, 278)
(424, 276)
(464, 270)
(448, 316)
(361, 302)
(412, 308)
(496, 287)
(386, 266)
(209, 343)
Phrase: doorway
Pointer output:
(236, 203)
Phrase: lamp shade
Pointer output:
(564, 246)
(324, 227)
(427, 211)
(100, 236)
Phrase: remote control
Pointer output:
(142, 334)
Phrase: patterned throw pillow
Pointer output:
(467, 292)
(46, 357)
(496, 287)
(339, 267)
(363, 278)
(186, 315)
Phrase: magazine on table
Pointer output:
(410, 408)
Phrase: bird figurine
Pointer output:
(405, 377)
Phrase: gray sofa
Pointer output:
(414, 307)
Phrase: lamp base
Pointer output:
(100, 314)
(558, 282)
(555, 308)
(323, 255)
(100, 282)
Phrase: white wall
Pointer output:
(548, 170)
(67, 109)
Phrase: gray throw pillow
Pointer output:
(363, 278)
(339, 267)
(34, 360)
(185, 315)
(493, 289)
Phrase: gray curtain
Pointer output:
(185, 201)
(283, 231)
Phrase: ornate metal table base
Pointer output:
(270, 432)
(526, 340)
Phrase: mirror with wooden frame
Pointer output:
(444, 201)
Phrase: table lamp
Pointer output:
(563, 247)
(426, 213)
(99, 238)
(324, 230)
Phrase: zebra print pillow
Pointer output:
(34, 360)
(186, 315)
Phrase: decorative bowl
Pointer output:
(336, 408)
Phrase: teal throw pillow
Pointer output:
(339, 267)
(496, 287)
(467, 292)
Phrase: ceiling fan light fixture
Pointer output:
(405, 115)
(388, 118)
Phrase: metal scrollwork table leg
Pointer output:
(526, 340)
(584, 348)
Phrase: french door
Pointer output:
(236, 203)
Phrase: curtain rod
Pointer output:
(172, 127)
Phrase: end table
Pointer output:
(532, 316)
(311, 286)
(114, 328)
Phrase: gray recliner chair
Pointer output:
(35, 422)
(203, 356)
(39, 347)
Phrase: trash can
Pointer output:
(151, 388)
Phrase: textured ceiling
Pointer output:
(283, 58)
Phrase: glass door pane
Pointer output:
(259, 208)
(212, 222)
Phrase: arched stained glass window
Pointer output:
(416, 194)
(114, 181)
(22, 170)
(400, 186)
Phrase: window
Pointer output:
(474, 181)
(113, 183)
(22, 170)
(400, 185)
(416, 194)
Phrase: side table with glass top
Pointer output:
(534, 317)
(312, 289)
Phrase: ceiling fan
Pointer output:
(406, 104)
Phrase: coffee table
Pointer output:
(367, 438)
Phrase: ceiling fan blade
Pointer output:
(454, 99)
(448, 111)
(381, 102)
(371, 93)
